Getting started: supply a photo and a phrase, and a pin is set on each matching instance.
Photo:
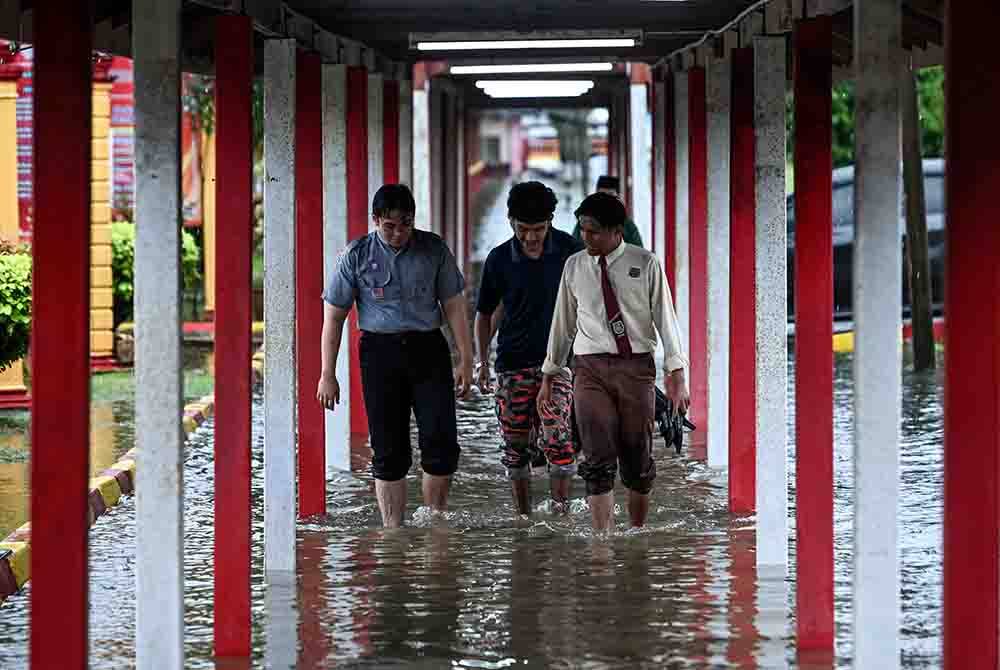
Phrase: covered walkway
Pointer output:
(362, 93)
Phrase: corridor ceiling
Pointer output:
(385, 26)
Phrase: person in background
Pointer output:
(405, 283)
(521, 278)
(612, 186)
(612, 302)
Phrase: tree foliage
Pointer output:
(15, 303)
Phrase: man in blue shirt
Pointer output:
(521, 276)
(405, 283)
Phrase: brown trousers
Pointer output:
(615, 406)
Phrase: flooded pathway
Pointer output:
(482, 589)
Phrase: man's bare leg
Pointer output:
(602, 510)
(435, 489)
(520, 490)
(391, 501)
(638, 508)
(559, 488)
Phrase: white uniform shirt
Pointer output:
(581, 322)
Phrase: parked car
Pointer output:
(843, 239)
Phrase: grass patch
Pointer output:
(14, 421)
(10, 455)
(117, 386)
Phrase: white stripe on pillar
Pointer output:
(335, 239)
(461, 170)
(406, 133)
(659, 237)
(639, 138)
(422, 156)
(719, 147)
(279, 305)
(772, 303)
(878, 289)
(376, 135)
(682, 271)
(159, 383)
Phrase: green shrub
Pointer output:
(15, 304)
(123, 260)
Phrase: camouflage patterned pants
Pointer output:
(525, 429)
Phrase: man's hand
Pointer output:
(544, 399)
(483, 379)
(328, 392)
(677, 391)
(463, 378)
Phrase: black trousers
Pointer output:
(401, 372)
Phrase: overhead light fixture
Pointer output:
(525, 44)
(527, 68)
(509, 40)
(534, 88)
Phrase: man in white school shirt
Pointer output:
(612, 301)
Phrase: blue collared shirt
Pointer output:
(396, 290)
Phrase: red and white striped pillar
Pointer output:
(814, 332)
(742, 290)
(60, 343)
(698, 245)
(358, 213)
(309, 280)
(234, 56)
(972, 366)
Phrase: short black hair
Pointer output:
(606, 209)
(393, 197)
(609, 182)
(531, 202)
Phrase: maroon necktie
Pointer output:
(614, 312)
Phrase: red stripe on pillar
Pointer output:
(60, 343)
(358, 209)
(670, 186)
(653, 172)
(743, 291)
(698, 240)
(233, 319)
(972, 366)
(390, 141)
(813, 332)
(309, 280)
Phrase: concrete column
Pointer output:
(60, 338)
(234, 55)
(309, 281)
(878, 287)
(406, 133)
(461, 168)
(390, 131)
(421, 173)
(682, 275)
(640, 141)
(742, 295)
(719, 147)
(158, 364)
(335, 239)
(814, 332)
(376, 139)
(659, 236)
(771, 261)
(102, 339)
(972, 368)
(279, 306)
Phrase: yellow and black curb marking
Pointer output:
(104, 491)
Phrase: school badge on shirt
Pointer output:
(378, 293)
(618, 326)
(633, 273)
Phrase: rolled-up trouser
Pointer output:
(525, 428)
(614, 412)
(401, 372)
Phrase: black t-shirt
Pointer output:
(528, 288)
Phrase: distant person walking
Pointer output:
(521, 278)
(405, 283)
(612, 302)
(612, 185)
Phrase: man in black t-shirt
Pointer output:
(522, 275)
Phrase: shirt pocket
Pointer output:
(375, 283)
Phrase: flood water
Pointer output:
(482, 589)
